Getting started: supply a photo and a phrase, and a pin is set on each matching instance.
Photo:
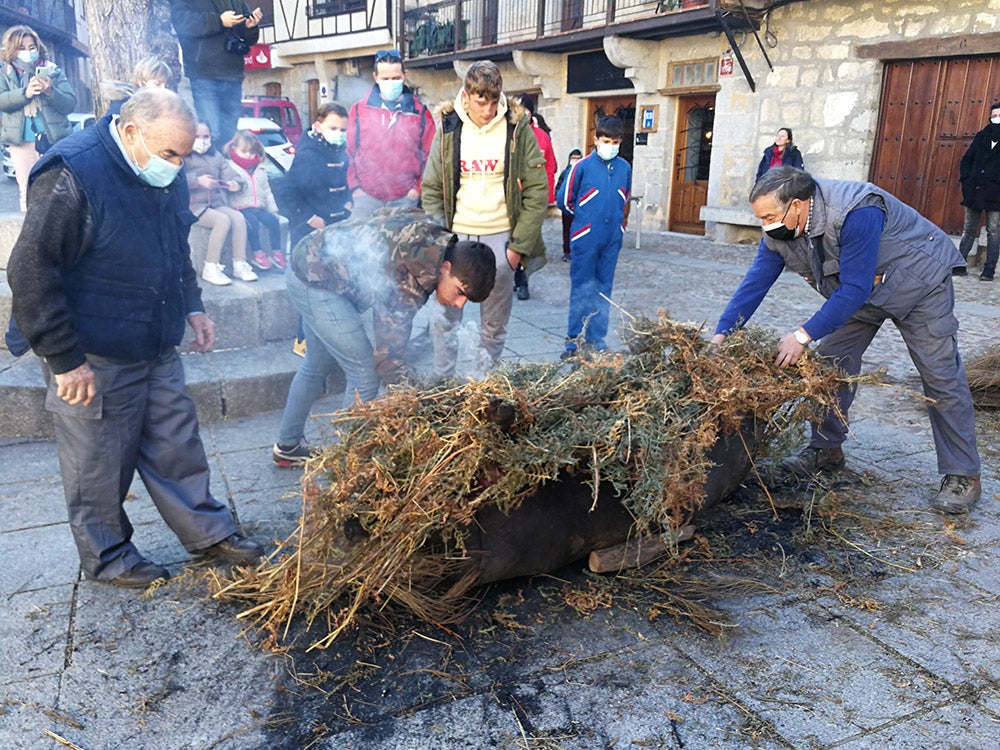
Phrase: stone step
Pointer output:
(225, 384)
(245, 313)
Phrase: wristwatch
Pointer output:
(802, 337)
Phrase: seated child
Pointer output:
(210, 176)
(254, 200)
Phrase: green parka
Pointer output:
(526, 184)
(54, 106)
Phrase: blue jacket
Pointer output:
(316, 185)
(791, 157)
(596, 193)
(102, 265)
(907, 260)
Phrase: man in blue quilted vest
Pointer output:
(874, 259)
(102, 284)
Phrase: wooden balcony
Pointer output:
(50, 18)
(437, 32)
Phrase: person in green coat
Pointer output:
(35, 97)
(485, 181)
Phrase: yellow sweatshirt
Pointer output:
(480, 204)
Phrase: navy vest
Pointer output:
(127, 292)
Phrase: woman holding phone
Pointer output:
(35, 97)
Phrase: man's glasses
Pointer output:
(388, 55)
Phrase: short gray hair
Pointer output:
(147, 105)
(785, 184)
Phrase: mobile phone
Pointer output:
(42, 72)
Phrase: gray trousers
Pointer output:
(494, 314)
(930, 332)
(141, 419)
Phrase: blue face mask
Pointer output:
(28, 56)
(336, 138)
(390, 90)
(159, 172)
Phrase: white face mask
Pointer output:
(607, 151)
(201, 145)
(995, 120)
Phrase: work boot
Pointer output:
(811, 461)
(958, 494)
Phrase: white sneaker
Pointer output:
(213, 274)
(243, 271)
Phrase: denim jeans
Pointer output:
(592, 276)
(970, 232)
(335, 336)
(219, 105)
(257, 217)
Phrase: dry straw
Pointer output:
(386, 510)
(984, 378)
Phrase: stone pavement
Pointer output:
(871, 624)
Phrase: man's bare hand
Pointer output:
(316, 222)
(76, 386)
(513, 259)
(231, 18)
(204, 333)
(790, 351)
(254, 18)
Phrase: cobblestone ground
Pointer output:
(846, 616)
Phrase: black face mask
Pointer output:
(778, 230)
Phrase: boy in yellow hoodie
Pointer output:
(485, 180)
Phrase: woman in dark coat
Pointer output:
(979, 173)
(781, 153)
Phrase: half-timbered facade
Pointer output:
(890, 91)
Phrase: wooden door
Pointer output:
(491, 17)
(930, 111)
(692, 158)
(619, 106)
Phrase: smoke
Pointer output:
(362, 257)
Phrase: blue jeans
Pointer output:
(592, 274)
(219, 105)
(257, 217)
(970, 233)
(335, 336)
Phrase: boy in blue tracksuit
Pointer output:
(596, 192)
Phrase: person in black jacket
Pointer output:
(314, 193)
(781, 153)
(979, 174)
(214, 37)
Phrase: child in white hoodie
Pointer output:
(255, 200)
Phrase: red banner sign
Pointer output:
(259, 57)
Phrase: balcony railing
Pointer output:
(449, 26)
(45, 15)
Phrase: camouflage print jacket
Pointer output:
(389, 262)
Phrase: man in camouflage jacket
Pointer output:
(392, 263)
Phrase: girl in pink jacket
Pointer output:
(255, 200)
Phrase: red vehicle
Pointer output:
(279, 110)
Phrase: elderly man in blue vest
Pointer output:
(102, 284)
(874, 258)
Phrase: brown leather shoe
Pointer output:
(139, 576)
(811, 461)
(235, 549)
(958, 494)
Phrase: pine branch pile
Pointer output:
(984, 378)
(386, 510)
